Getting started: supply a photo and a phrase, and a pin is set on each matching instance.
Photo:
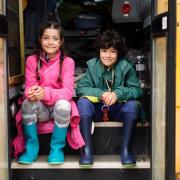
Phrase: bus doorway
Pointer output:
(147, 47)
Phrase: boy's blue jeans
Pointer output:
(127, 112)
(92, 111)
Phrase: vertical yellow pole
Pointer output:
(21, 30)
(162, 6)
(3, 108)
(159, 51)
(178, 89)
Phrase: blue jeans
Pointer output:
(117, 112)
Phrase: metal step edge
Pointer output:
(72, 162)
(117, 124)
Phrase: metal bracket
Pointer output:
(160, 24)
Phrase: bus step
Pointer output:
(72, 162)
(107, 140)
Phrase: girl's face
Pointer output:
(108, 56)
(50, 42)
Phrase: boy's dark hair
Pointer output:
(111, 38)
(43, 27)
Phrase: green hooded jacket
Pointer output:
(125, 84)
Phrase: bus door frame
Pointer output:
(169, 33)
(4, 137)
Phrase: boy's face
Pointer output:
(108, 56)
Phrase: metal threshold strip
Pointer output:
(72, 162)
(117, 124)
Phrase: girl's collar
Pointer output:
(57, 56)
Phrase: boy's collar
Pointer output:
(107, 68)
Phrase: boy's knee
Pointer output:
(84, 102)
(85, 107)
(131, 106)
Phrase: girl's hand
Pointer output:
(31, 95)
(39, 93)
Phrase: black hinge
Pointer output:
(3, 25)
(160, 24)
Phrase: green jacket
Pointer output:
(126, 85)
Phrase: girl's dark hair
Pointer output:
(43, 27)
(111, 38)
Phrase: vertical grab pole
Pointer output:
(4, 150)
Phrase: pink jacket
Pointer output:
(54, 90)
(49, 74)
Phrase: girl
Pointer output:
(109, 91)
(49, 86)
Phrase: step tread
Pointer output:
(72, 162)
(117, 124)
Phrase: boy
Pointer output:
(109, 91)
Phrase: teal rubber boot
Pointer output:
(32, 144)
(58, 141)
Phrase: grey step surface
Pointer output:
(72, 162)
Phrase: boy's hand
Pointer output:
(104, 95)
(109, 98)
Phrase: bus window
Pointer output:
(15, 42)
